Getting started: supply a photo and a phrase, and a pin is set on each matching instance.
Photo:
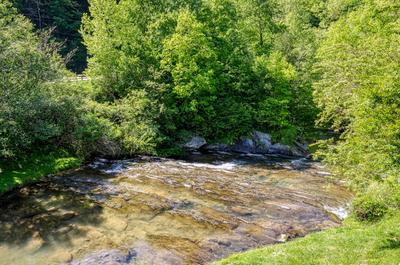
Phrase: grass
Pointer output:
(353, 243)
(33, 168)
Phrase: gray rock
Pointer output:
(262, 141)
(280, 149)
(298, 152)
(259, 143)
(245, 146)
(195, 142)
(217, 148)
(299, 163)
(107, 257)
(303, 147)
(107, 147)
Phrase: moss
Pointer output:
(33, 167)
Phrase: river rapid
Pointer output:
(164, 211)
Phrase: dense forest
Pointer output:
(162, 71)
(63, 18)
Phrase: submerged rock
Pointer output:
(299, 163)
(217, 148)
(35, 243)
(62, 257)
(107, 257)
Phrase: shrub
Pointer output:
(367, 208)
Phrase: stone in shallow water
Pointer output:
(61, 257)
(280, 149)
(107, 257)
(35, 243)
(116, 224)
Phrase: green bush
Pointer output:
(32, 111)
(367, 208)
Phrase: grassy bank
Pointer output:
(32, 168)
(354, 243)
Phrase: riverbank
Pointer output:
(32, 168)
(353, 243)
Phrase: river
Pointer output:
(164, 211)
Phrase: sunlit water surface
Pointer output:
(164, 211)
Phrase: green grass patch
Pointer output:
(353, 243)
(33, 167)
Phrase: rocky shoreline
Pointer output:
(257, 143)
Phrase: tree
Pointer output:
(358, 91)
(211, 67)
(65, 17)
(190, 59)
(32, 110)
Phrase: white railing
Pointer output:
(76, 78)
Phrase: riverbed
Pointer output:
(163, 211)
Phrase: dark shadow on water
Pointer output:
(273, 162)
(50, 211)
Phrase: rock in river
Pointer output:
(107, 257)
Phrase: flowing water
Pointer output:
(164, 211)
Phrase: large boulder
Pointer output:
(107, 147)
(280, 149)
(195, 143)
(217, 148)
(262, 141)
(245, 145)
(302, 147)
(258, 143)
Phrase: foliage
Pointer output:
(65, 17)
(28, 109)
(211, 71)
(366, 208)
(275, 76)
(163, 70)
(377, 200)
(189, 58)
(358, 91)
(39, 109)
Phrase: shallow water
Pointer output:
(164, 211)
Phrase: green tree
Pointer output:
(275, 79)
(212, 67)
(35, 111)
(358, 91)
(65, 17)
(189, 58)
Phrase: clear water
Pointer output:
(164, 211)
